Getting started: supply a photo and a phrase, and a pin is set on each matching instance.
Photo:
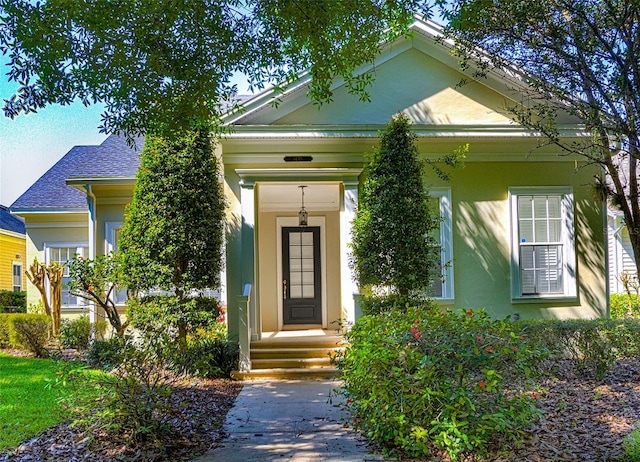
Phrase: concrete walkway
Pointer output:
(289, 420)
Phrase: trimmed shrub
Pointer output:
(375, 304)
(13, 301)
(209, 358)
(420, 378)
(77, 333)
(30, 332)
(595, 345)
(4, 330)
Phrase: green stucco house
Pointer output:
(520, 232)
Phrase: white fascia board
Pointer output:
(43, 211)
(7, 232)
(373, 131)
(80, 182)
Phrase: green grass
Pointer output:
(27, 404)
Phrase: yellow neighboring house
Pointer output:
(13, 251)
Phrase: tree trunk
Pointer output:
(55, 272)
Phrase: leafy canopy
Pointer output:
(580, 58)
(163, 66)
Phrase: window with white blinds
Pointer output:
(543, 243)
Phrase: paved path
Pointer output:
(288, 420)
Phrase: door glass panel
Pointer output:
(301, 265)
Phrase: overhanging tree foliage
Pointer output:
(167, 65)
(580, 57)
(393, 246)
(173, 230)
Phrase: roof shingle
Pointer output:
(113, 158)
(10, 222)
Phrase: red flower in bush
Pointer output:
(470, 313)
(415, 332)
(489, 350)
(535, 395)
(479, 338)
(482, 384)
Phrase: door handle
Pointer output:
(284, 288)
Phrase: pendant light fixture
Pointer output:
(302, 214)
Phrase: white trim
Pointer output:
(110, 228)
(15, 263)
(6, 232)
(446, 242)
(293, 221)
(53, 224)
(570, 291)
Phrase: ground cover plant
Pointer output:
(28, 404)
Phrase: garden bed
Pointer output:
(583, 419)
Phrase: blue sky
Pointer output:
(31, 143)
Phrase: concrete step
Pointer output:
(287, 373)
(296, 357)
(283, 352)
(290, 363)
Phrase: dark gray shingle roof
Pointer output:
(113, 158)
(10, 222)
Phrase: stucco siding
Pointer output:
(482, 226)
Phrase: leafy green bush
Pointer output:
(108, 354)
(208, 357)
(162, 317)
(375, 304)
(595, 345)
(4, 330)
(133, 403)
(631, 447)
(14, 299)
(624, 306)
(29, 331)
(421, 378)
(77, 333)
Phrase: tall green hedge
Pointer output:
(13, 299)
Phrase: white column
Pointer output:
(247, 203)
(348, 284)
(91, 202)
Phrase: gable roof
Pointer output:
(417, 75)
(114, 158)
(10, 222)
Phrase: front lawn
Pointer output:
(28, 405)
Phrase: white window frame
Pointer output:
(569, 282)
(47, 258)
(110, 245)
(446, 241)
(13, 276)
